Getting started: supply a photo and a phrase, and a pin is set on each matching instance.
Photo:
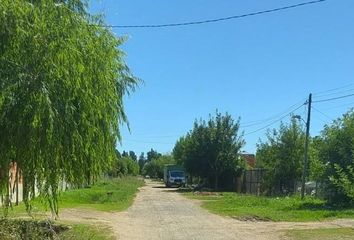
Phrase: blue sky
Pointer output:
(254, 68)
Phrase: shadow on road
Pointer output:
(158, 186)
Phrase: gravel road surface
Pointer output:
(162, 213)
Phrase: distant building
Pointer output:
(250, 159)
(15, 187)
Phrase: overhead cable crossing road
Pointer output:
(216, 19)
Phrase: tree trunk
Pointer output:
(17, 185)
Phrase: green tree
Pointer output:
(152, 154)
(316, 166)
(63, 78)
(125, 154)
(132, 166)
(155, 167)
(282, 156)
(133, 156)
(210, 151)
(336, 153)
(141, 162)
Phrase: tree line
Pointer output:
(127, 163)
(211, 152)
(331, 158)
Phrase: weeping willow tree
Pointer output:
(62, 82)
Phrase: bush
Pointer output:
(124, 166)
(29, 229)
(336, 153)
(155, 167)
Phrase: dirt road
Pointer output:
(160, 213)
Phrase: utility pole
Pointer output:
(304, 173)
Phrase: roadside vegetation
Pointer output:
(110, 194)
(62, 120)
(210, 151)
(330, 160)
(321, 234)
(106, 195)
(249, 207)
(207, 156)
(85, 232)
(33, 229)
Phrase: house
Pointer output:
(250, 160)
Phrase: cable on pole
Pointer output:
(334, 98)
(278, 120)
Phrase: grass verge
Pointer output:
(247, 207)
(14, 229)
(106, 195)
(321, 234)
(85, 231)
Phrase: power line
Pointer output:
(333, 89)
(335, 98)
(262, 121)
(336, 93)
(340, 106)
(278, 120)
(217, 19)
(137, 141)
(322, 113)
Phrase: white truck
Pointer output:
(174, 175)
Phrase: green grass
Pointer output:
(321, 234)
(108, 195)
(273, 209)
(14, 229)
(84, 232)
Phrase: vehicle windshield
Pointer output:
(177, 174)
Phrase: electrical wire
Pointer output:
(330, 118)
(336, 93)
(332, 90)
(137, 141)
(278, 120)
(340, 106)
(334, 98)
(262, 121)
(217, 19)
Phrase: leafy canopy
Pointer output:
(211, 150)
(63, 79)
(282, 156)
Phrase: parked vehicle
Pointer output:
(174, 175)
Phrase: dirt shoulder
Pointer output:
(160, 213)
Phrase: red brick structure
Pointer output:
(250, 159)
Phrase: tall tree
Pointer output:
(125, 154)
(133, 156)
(152, 154)
(141, 162)
(336, 153)
(282, 155)
(211, 149)
(63, 78)
(156, 166)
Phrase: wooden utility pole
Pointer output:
(304, 173)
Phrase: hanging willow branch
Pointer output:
(62, 82)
